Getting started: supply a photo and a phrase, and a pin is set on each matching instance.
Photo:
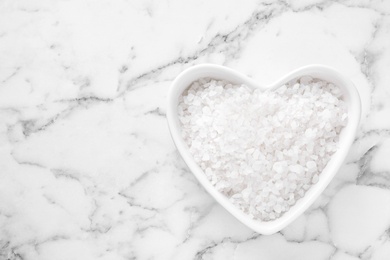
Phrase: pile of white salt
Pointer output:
(262, 150)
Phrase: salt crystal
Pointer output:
(250, 151)
(279, 167)
(305, 80)
(315, 178)
(294, 125)
(277, 208)
(206, 110)
(344, 116)
(279, 185)
(311, 165)
(205, 157)
(256, 154)
(310, 133)
(277, 176)
(296, 168)
(292, 176)
(257, 166)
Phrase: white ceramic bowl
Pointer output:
(347, 135)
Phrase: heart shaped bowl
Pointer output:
(346, 138)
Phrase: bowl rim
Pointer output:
(350, 94)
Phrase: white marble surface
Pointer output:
(87, 166)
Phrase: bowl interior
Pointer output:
(350, 95)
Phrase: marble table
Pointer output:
(88, 169)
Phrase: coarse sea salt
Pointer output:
(262, 150)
